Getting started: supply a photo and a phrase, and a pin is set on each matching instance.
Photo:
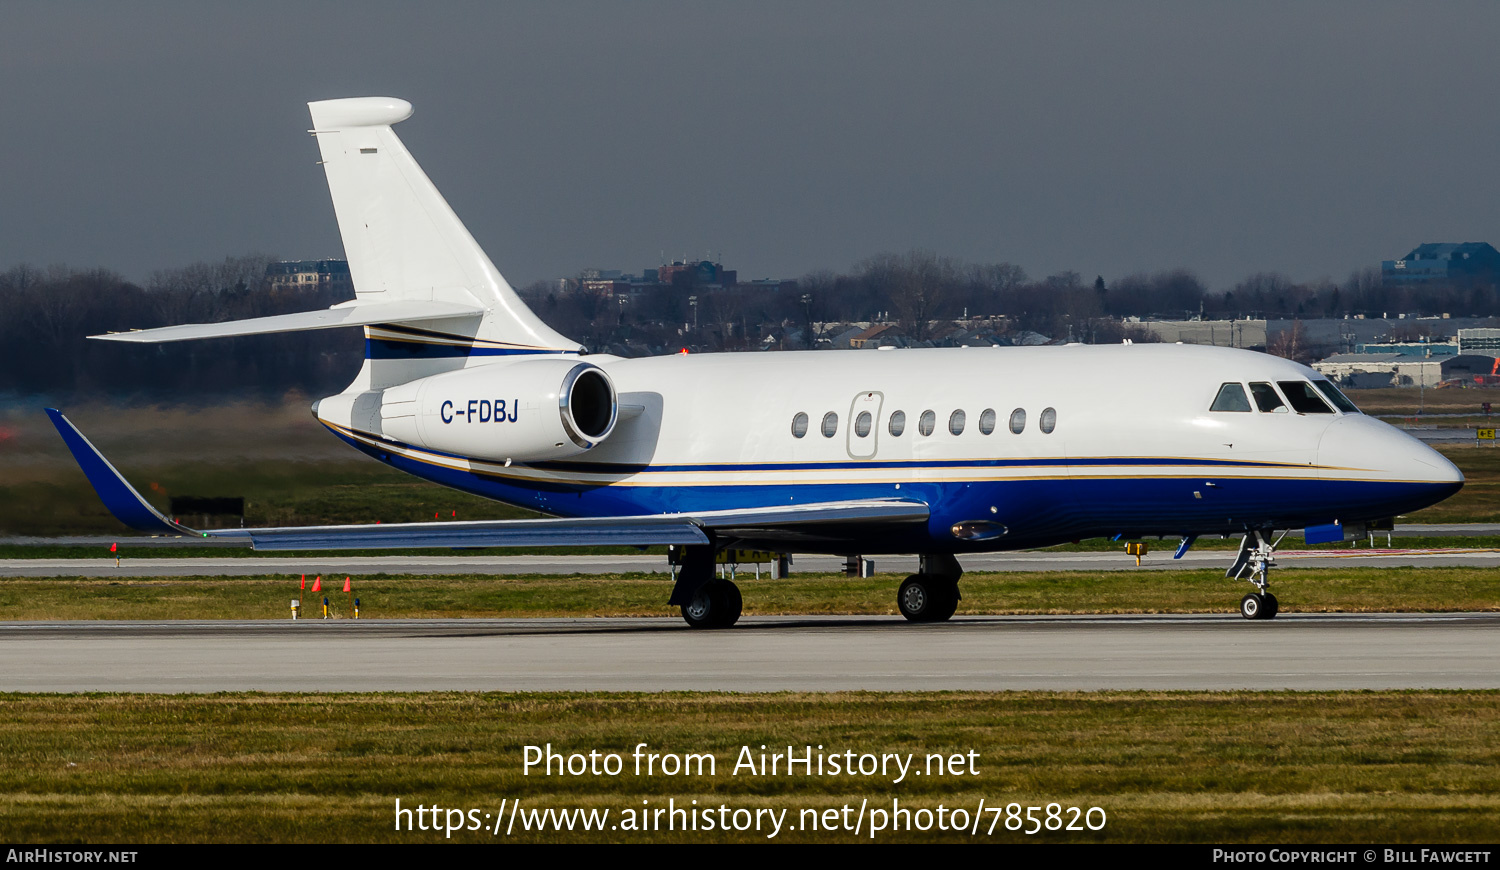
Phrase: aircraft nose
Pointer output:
(1364, 444)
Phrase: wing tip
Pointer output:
(119, 497)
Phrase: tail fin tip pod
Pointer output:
(359, 112)
(402, 239)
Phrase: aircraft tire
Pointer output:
(1273, 607)
(717, 604)
(731, 603)
(924, 598)
(948, 603)
(1253, 606)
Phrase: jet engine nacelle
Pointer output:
(527, 411)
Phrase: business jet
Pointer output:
(939, 452)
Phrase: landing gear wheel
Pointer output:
(1258, 606)
(717, 604)
(914, 599)
(925, 598)
(949, 603)
(1257, 555)
(732, 603)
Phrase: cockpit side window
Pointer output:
(1304, 398)
(1336, 396)
(1266, 399)
(1231, 398)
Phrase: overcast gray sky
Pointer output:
(1108, 138)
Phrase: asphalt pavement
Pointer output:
(1197, 652)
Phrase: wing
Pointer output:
(126, 504)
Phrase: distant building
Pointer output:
(841, 336)
(309, 275)
(700, 274)
(1425, 349)
(1400, 369)
(880, 334)
(779, 285)
(1444, 261)
(1348, 333)
(1219, 333)
(687, 276)
(1479, 341)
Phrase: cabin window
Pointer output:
(1304, 398)
(987, 421)
(1266, 399)
(1231, 398)
(927, 422)
(799, 425)
(830, 424)
(1018, 420)
(956, 422)
(898, 423)
(1048, 422)
(862, 424)
(1336, 396)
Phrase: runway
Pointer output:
(230, 566)
(1198, 652)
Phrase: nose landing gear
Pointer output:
(1258, 605)
(1254, 562)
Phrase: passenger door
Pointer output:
(864, 425)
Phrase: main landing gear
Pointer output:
(706, 601)
(717, 604)
(1254, 562)
(931, 595)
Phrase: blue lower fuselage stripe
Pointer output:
(1036, 512)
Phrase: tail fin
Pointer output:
(429, 299)
(402, 239)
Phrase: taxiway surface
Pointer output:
(1198, 652)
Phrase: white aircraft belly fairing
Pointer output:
(938, 451)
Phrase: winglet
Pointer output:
(119, 497)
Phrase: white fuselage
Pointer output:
(1133, 448)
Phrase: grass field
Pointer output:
(1348, 590)
(1406, 401)
(1241, 767)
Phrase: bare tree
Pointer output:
(1290, 344)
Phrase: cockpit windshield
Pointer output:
(1231, 397)
(1304, 398)
(1266, 399)
(1336, 396)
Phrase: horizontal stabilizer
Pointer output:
(356, 314)
(130, 508)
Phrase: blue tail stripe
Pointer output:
(376, 348)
